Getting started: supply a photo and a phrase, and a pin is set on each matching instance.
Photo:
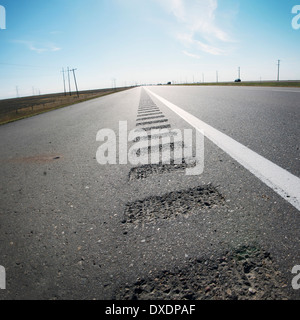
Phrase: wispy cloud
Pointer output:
(197, 19)
(188, 39)
(38, 47)
(191, 55)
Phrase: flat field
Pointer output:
(19, 108)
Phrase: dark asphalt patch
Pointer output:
(159, 148)
(155, 136)
(248, 273)
(143, 172)
(165, 126)
(149, 110)
(173, 204)
(151, 122)
(151, 117)
(143, 113)
(148, 107)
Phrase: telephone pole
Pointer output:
(63, 72)
(239, 73)
(114, 85)
(217, 76)
(69, 81)
(278, 70)
(73, 70)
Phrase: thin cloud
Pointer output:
(191, 55)
(39, 47)
(188, 39)
(197, 21)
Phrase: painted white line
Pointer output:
(280, 180)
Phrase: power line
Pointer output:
(24, 65)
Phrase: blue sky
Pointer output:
(144, 41)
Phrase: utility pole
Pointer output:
(278, 70)
(239, 73)
(114, 86)
(69, 81)
(75, 82)
(217, 76)
(203, 77)
(63, 72)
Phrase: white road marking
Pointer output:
(280, 180)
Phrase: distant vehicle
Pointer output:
(237, 80)
(169, 83)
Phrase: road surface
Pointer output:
(71, 228)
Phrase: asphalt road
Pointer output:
(71, 228)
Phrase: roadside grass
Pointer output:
(20, 108)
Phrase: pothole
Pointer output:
(141, 112)
(255, 277)
(150, 118)
(145, 113)
(156, 136)
(167, 147)
(148, 110)
(173, 204)
(144, 171)
(164, 126)
(151, 122)
(148, 107)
